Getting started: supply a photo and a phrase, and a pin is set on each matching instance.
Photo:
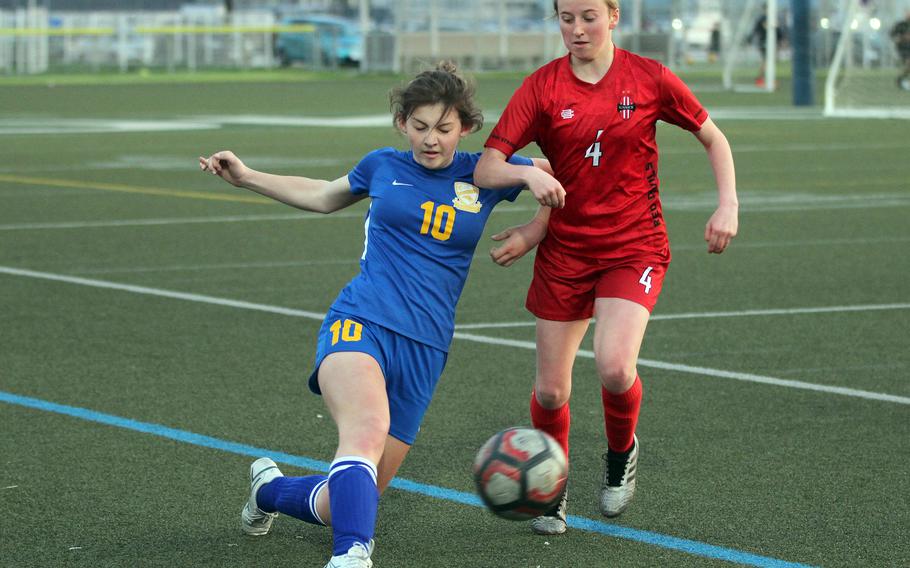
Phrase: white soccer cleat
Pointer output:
(253, 520)
(358, 556)
(554, 522)
(618, 485)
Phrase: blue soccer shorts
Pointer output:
(411, 369)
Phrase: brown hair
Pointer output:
(611, 4)
(443, 85)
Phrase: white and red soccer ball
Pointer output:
(520, 473)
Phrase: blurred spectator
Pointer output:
(900, 33)
(758, 38)
(714, 43)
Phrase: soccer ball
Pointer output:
(520, 473)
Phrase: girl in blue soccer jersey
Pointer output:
(384, 342)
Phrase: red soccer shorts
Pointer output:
(564, 286)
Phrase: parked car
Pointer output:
(330, 41)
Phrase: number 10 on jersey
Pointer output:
(442, 220)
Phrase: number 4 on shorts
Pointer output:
(645, 279)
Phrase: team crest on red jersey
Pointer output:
(626, 105)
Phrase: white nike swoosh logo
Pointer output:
(396, 182)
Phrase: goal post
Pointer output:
(863, 78)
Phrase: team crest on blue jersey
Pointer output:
(626, 106)
(466, 196)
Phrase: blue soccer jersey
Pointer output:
(421, 231)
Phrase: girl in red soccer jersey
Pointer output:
(603, 244)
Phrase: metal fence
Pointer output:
(396, 35)
(37, 41)
(479, 34)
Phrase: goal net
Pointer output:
(867, 76)
(753, 48)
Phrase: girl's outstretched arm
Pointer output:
(319, 196)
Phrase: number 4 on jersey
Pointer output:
(593, 150)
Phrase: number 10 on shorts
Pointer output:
(645, 279)
(349, 331)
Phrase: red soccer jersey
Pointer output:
(600, 142)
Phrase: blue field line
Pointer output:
(664, 541)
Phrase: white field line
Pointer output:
(732, 314)
(482, 256)
(353, 260)
(59, 125)
(793, 147)
(705, 371)
(169, 163)
(157, 162)
(171, 221)
(301, 216)
(702, 371)
(871, 204)
(30, 126)
(162, 293)
(786, 244)
(749, 205)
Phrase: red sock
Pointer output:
(554, 422)
(621, 416)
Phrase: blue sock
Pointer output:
(294, 496)
(354, 499)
